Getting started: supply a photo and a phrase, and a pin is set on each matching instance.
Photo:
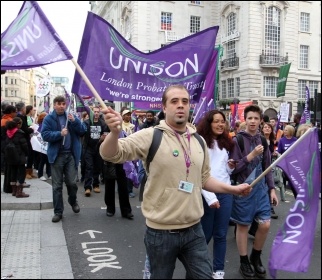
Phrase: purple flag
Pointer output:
(306, 116)
(67, 97)
(47, 104)
(120, 72)
(293, 244)
(207, 102)
(135, 121)
(31, 41)
(82, 106)
(278, 124)
(234, 115)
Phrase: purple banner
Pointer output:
(293, 244)
(207, 102)
(208, 91)
(31, 41)
(120, 72)
(306, 115)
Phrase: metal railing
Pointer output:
(230, 62)
(265, 59)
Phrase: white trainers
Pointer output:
(218, 275)
(43, 178)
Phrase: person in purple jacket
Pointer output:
(284, 143)
(250, 164)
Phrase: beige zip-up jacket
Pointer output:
(164, 206)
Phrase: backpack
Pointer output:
(156, 140)
(240, 141)
(11, 153)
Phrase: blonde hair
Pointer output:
(242, 126)
(302, 129)
(290, 128)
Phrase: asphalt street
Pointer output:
(112, 247)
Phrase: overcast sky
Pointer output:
(67, 17)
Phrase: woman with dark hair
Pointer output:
(215, 221)
(18, 170)
(21, 113)
(268, 133)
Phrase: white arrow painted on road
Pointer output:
(90, 232)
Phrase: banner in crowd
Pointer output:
(207, 103)
(37, 143)
(284, 112)
(31, 41)
(293, 244)
(306, 115)
(240, 110)
(43, 87)
(282, 79)
(120, 72)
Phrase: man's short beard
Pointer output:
(180, 122)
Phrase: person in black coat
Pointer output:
(17, 171)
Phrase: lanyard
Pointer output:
(186, 153)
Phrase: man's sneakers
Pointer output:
(87, 192)
(76, 208)
(96, 189)
(43, 178)
(218, 275)
(56, 218)
(131, 194)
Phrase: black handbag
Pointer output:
(109, 170)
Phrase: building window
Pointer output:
(6, 80)
(6, 92)
(231, 49)
(194, 24)
(166, 21)
(301, 89)
(305, 22)
(238, 86)
(230, 83)
(195, 2)
(304, 57)
(223, 89)
(312, 86)
(272, 31)
(231, 23)
(270, 86)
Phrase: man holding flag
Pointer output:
(62, 131)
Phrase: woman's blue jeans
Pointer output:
(215, 223)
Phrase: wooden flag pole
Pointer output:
(90, 86)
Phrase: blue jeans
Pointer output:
(190, 247)
(63, 169)
(215, 223)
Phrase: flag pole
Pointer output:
(68, 110)
(268, 169)
(90, 86)
(203, 100)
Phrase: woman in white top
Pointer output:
(217, 209)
